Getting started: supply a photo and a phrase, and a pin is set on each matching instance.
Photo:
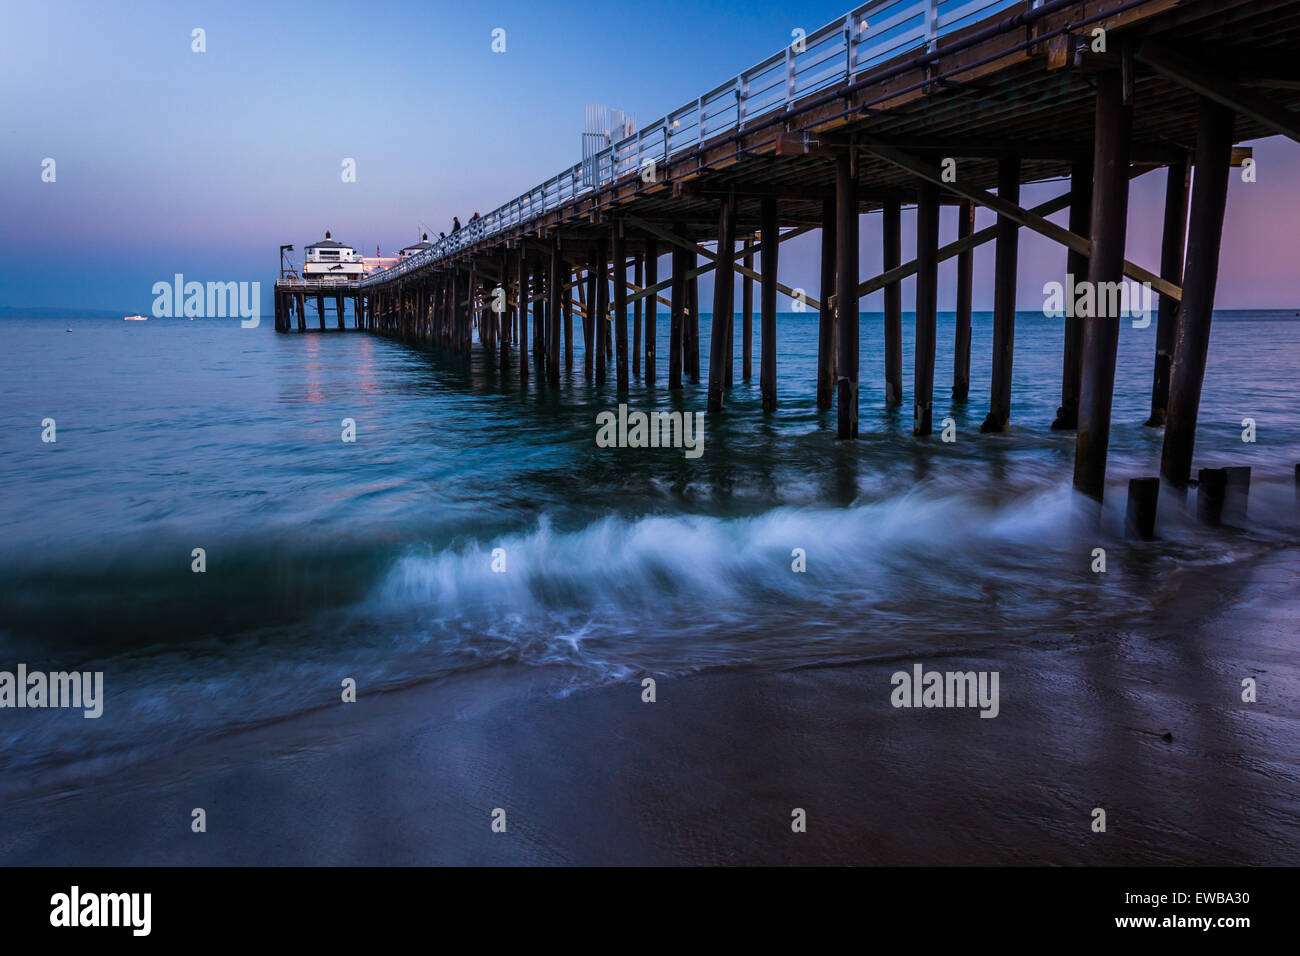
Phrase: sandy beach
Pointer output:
(1146, 723)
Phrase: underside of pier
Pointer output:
(1091, 93)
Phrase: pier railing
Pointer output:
(863, 38)
(328, 282)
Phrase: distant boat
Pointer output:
(134, 318)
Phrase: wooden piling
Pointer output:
(320, 311)
(677, 321)
(428, 299)
(1114, 120)
(456, 296)
(651, 308)
(826, 315)
(490, 310)
(471, 292)
(965, 289)
(723, 290)
(1174, 237)
(1211, 483)
(1192, 337)
(846, 296)
(529, 344)
(455, 310)
(601, 311)
(619, 252)
(607, 327)
(566, 309)
(554, 287)
(890, 235)
(729, 353)
(767, 321)
(438, 309)
(522, 335)
(457, 293)
(451, 321)
(1076, 265)
(1006, 253)
(541, 314)
(638, 278)
(589, 323)
(691, 329)
(927, 307)
(507, 314)
(1140, 516)
(747, 316)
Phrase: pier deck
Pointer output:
(899, 102)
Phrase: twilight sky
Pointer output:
(173, 161)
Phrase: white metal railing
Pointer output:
(326, 282)
(863, 38)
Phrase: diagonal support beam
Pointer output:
(1017, 214)
(908, 269)
(1214, 86)
(669, 236)
(966, 243)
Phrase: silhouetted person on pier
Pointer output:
(455, 224)
(442, 236)
(474, 218)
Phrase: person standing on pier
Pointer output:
(455, 224)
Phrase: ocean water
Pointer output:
(373, 559)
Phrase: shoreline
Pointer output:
(1145, 722)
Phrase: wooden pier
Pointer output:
(900, 102)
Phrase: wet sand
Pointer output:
(1146, 723)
